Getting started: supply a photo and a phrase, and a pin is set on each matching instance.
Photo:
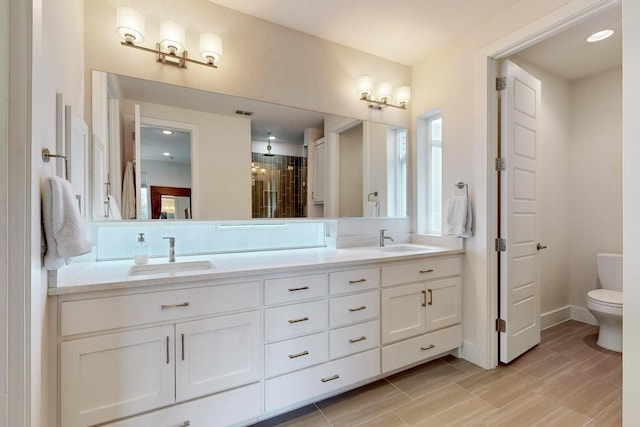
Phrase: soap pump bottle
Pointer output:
(141, 252)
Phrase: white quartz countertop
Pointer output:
(107, 275)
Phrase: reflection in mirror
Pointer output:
(170, 203)
(229, 139)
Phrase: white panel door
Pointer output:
(403, 312)
(444, 303)
(116, 375)
(217, 354)
(519, 288)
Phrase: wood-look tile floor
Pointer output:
(565, 381)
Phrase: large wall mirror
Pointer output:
(225, 157)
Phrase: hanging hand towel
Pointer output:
(459, 216)
(63, 226)
(371, 209)
(114, 210)
(129, 193)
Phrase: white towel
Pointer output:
(459, 216)
(128, 193)
(371, 209)
(114, 210)
(64, 228)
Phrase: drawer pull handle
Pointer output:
(364, 307)
(424, 294)
(335, 377)
(304, 288)
(166, 306)
(431, 270)
(293, 356)
(427, 348)
(185, 424)
(167, 349)
(182, 335)
(430, 296)
(354, 340)
(302, 319)
(357, 281)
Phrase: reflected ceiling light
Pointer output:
(167, 154)
(268, 153)
(599, 36)
(383, 95)
(167, 132)
(130, 26)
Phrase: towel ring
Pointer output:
(47, 155)
(462, 185)
(374, 194)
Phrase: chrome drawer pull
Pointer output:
(427, 348)
(293, 356)
(167, 349)
(185, 424)
(430, 296)
(335, 377)
(304, 288)
(303, 319)
(424, 293)
(166, 306)
(357, 281)
(359, 308)
(431, 270)
(354, 340)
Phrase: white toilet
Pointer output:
(606, 303)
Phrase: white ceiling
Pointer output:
(403, 31)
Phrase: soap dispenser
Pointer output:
(141, 252)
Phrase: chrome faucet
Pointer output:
(172, 248)
(383, 237)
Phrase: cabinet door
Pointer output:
(444, 303)
(217, 354)
(403, 312)
(116, 375)
(318, 182)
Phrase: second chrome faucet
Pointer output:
(383, 237)
(172, 248)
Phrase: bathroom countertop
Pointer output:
(108, 275)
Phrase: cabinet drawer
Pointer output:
(291, 355)
(130, 310)
(222, 409)
(295, 319)
(418, 271)
(407, 352)
(290, 289)
(342, 282)
(354, 308)
(317, 381)
(354, 339)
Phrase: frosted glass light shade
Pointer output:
(365, 86)
(172, 36)
(385, 91)
(403, 95)
(210, 47)
(130, 24)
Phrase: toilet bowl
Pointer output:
(606, 303)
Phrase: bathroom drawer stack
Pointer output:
(235, 351)
(321, 334)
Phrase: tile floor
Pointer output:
(565, 381)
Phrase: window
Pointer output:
(433, 133)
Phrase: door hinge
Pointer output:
(501, 164)
(501, 83)
(501, 325)
(501, 245)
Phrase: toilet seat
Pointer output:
(605, 297)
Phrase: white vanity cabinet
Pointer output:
(139, 367)
(418, 298)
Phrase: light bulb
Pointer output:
(130, 24)
(172, 36)
(211, 47)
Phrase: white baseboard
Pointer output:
(581, 314)
(554, 317)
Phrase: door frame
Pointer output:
(486, 62)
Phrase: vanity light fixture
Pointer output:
(130, 26)
(599, 36)
(384, 94)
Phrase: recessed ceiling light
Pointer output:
(599, 36)
(167, 132)
(166, 154)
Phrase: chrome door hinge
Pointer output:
(501, 164)
(501, 83)
(501, 245)
(501, 325)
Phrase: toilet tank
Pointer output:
(610, 271)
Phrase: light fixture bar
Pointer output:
(380, 105)
(170, 58)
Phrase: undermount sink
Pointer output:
(405, 248)
(169, 267)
